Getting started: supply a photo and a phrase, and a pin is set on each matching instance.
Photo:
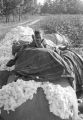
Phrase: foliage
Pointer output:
(69, 25)
(30, 6)
(9, 5)
(14, 7)
(62, 6)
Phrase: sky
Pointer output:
(81, 0)
(41, 1)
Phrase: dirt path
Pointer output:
(33, 22)
(6, 28)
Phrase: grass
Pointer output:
(69, 25)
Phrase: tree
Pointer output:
(62, 6)
(8, 7)
(30, 6)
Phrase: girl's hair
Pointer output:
(37, 34)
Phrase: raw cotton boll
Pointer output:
(50, 44)
(61, 102)
(23, 33)
(14, 94)
(22, 100)
(61, 40)
(16, 34)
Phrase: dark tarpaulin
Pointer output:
(41, 62)
(76, 65)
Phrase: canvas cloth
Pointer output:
(75, 63)
(45, 64)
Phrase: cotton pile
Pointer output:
(14, 94)
(16, 34)
(60, 100)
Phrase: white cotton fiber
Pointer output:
(60, 99)
(16, 34)
(14, 94)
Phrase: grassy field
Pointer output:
(69, 25)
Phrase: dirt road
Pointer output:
(4, 28)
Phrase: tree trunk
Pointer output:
(13, 17)
(19, 14)
(7, 18)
